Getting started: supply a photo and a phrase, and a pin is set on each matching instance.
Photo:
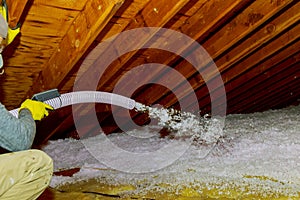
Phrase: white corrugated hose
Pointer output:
(87, 97)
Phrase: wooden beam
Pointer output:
(155, 14)
(250, 67)
(290, 39)
(261, 92)
(257, 86)
(192, 29)
(291, 100)
(125, 15)
(284, 88)
(256, 76)
(229, 41)
(15, 11)
(212, 21)
(196, 31)
(85, 28)
(129, 11)
(246, 45)
(250, 45)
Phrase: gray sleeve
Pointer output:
(16, 134)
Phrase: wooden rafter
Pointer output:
(154, 10)
(272, 48)
(285, 86)
(257, 75)
(227, 61)
(255, 45)
(290, 94)
(231, 10)
(225, 12)
(243, 49)
(290, 21)
(85, 28)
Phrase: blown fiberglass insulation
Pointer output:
(259, 151)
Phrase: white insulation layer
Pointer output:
(87, 97)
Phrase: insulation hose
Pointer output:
(87, 97)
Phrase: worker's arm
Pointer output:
(16, 134)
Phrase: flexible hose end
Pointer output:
(87, 97)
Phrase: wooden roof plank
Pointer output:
(255, 77)
(270, 50)
(148, 12)
(154, 94)
(286, 23)
(211, 23)
(285, 88)
(79, 37)
(252, 44)
(253, 28)
(245, 25)
(249, 30)
(125, 16)
(262, 36)
(282, 71)
(62, 4)
(211, 16)
(252, 80)
(155, 9)
(208, 46)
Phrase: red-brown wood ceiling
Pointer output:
(254, 44)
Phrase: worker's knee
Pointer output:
(25, 174)
(41, 160)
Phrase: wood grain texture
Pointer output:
(254, 45)
(82, 32)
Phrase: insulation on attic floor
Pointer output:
(257, 158)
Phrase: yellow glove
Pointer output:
(38, 109)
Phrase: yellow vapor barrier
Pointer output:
(193, 192)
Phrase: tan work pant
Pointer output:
(24, 174)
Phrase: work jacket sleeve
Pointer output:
(16, 134)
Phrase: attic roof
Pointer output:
(254, 45)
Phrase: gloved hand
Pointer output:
(38, 109)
